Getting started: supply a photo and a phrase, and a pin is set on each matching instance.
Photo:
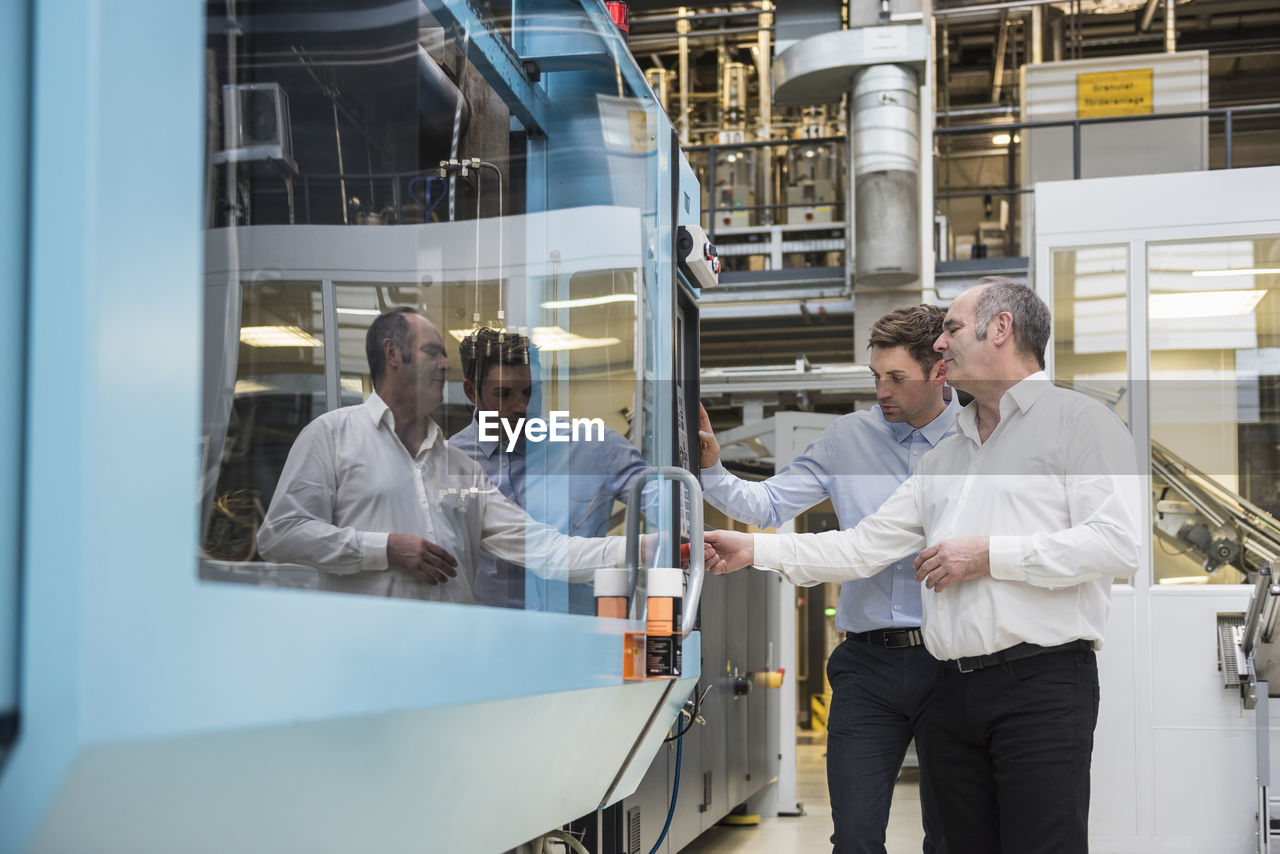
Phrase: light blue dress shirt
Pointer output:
(858, 462)
(570, 486)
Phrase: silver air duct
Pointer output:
(886, 163)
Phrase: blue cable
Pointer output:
(675, 790)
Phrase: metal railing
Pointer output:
(1228, 115)
(1013, 192)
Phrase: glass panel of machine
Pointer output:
(400, 168)
(1090, 324)
(278, 388)
(1214, 333)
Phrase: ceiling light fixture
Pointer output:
(252, 386)
(586, 301)
(278, 336)
(549, 338)
(1203, 304)
(1244, 271)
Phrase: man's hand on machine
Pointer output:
(733, 551)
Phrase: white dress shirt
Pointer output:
(1056, 489)
(349, 482)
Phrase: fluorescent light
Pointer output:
(1245, 271)
(252, 386)
(549, 338)
(368, 312)
(1186, 579)
(1001, 139)
(1203, 304)
(278, 336)
(585, 301)
(555, 338)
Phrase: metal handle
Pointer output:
(697, 565)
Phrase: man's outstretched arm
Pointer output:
(807, 559)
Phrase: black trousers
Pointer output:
(1009, 753)
(878, 696)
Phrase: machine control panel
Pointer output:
(699, 260)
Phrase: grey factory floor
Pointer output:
(811, 831)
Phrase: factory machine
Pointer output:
(1194, 511)
(1247, 657)
(173, 690)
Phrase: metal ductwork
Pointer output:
(885, 129)
(878, 67)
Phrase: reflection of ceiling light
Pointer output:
(1187, 579)
(555, 338)
(252, 386)
(1248, 271)
(1203, 304)
(551, 338)
(1005, 139)
(278, 336)
(585, 301)
(368, 312)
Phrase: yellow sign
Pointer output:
(1113, 93)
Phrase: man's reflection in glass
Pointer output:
(373, 496)
(571, 485)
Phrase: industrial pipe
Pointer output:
(886, 163)
(1148, 13)
(682, 27)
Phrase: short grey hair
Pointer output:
(1030, 315)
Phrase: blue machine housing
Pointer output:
(159, 712)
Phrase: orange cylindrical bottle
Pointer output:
(612, 587)
(662, 622)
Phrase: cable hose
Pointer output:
(675, 790)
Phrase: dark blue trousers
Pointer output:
(1009, 753)
(878, 697)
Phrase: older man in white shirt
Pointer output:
(1024, 516)
(373, 497)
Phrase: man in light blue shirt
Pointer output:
(570, 486)
(881, 675)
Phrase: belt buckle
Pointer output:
(897, 642)
(960, 666)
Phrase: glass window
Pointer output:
(353, 173)
(1090, 351)
(277, 388)
(1090, 323)
(1214, 332)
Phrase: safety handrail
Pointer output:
(697, 563)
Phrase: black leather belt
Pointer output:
(888, 638)
(1014, 653)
